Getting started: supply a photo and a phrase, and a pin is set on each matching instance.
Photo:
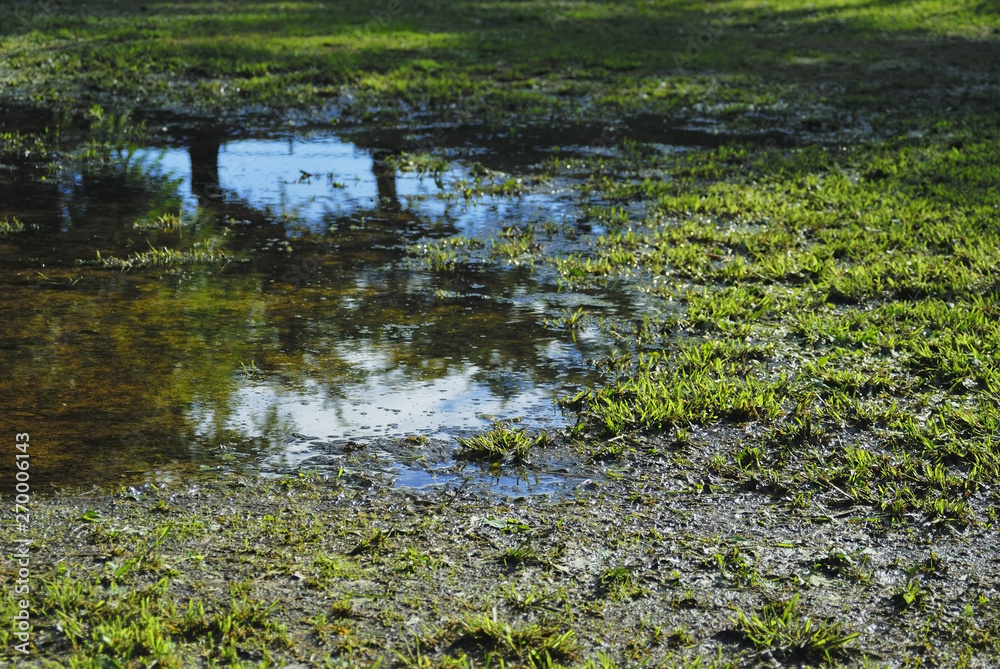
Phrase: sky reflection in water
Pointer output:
(328, 331)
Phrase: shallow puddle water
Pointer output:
(314, 338)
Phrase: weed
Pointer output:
(520, 555)
(734, 565)
(569, 322)
(202, 253)
(249, 371)
(535, 599)
(167, 221)
(911, 595)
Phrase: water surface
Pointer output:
(326, 332)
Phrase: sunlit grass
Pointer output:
(473, 54)
(10, 225)
(165, 257)
(502, 442)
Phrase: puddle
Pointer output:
(327, 333)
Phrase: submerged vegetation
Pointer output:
(793, 456)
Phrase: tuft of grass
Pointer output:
(780, 628)
(535, 599)
(420, 162)
(200, 254)
(694, 384)
(442, 255)
(10, 225)
(501, 443)
(533, 644)
(619, 583)
(734, 565)
(167, 221)
(376, 541)
(520, 556)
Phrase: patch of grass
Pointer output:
(844, 565)
(534, 644)
(781, 629)
(535, 599)
(809, 296)
(167, 221)
(555, 59)
(137, 595)
(331, 569)
(501, 443)
(374, 542)
(702, 389)
(125, 616)
(521, 555)
(570, 321)
(412, 560)
(421, 162)
(911, 595)
(327, 629)
(734, 565)
(619, 583)
(442, 255)
(202, 253)
(514, 246)
(10, 226)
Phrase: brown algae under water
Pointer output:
(250, 304)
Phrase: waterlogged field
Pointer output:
(752, 249)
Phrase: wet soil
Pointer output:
(671, 558)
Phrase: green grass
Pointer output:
(528, 58)
(537, 645)
(619, 583)
(166, 257)
(501, 443)
(780, 628)
(839, 304)
(320, 577)
(10, 225)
